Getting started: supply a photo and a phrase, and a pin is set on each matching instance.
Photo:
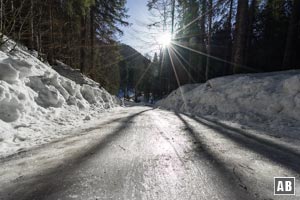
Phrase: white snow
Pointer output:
(38, 105)
(266, 101)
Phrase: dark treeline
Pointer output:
(214, 38)
(133, 73)
(211, 38)
(81, 33)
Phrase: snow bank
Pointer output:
(37, 104)
(256, 97)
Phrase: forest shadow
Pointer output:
(226, 174)
(263, 125)
(133, 104)
(280, 154)
(46, 183)
(23, 154)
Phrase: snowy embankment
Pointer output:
(268, 101)
(38, 105)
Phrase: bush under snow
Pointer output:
(37, 104)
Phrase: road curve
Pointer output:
(146, 153)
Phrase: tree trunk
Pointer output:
(1, 16)
(12, 29)
(82, 45)
(209, 39)
(70, 36)
(39, 37)
(241, 35)
(51, 46)
(251, 17)
(227, 68)
(92, 36)
(173, 17)
(292, 36)
(31, 40)
(202, 46)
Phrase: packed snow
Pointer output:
(267, 102)
(38, 105)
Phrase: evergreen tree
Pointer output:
(291, 41)
(240, 35)
(66, 29)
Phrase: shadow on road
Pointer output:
(226, 174)
(271, 150)
(46, 183)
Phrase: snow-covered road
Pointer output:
(146, 153)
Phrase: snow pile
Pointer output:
(254, 97)
(37, 104)
(73, 74)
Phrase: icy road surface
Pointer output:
(146, 153)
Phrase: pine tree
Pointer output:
(210, 6)
(240, 35)
(291, 41)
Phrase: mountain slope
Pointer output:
(132, 68)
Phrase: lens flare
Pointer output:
(165, 39)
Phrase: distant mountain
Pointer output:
(132, 68)
(131, 55)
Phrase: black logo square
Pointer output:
(284, 185)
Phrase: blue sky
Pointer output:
(138, 35)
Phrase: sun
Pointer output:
(164, 39)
